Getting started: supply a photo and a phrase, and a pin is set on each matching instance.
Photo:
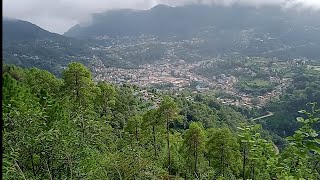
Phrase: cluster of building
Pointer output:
(180, 75)
(175, 75)
(246, 100)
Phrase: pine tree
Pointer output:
(168, 112)
(223, 152)
(194, 140)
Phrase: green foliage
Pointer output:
(223, 152)
(304, 88)
(72, 128)
(134, 126)
(42, 81)
(302, 157)
(194, 142)
(105, 100)
(78, 83)
(255, 87)
(168, 112)
(256, 153)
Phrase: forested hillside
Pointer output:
(304, 88)
(128, 38)
(27, 45)
(270, 31)
(75, 128)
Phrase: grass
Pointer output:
(254, 87)
(259, 83)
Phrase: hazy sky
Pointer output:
(59, 15)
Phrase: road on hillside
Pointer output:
(265, 116)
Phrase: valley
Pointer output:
(180, 66)
(195, 91)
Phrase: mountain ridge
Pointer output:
(28, 45)
(207, 31)
(166, 20)
(17, 30)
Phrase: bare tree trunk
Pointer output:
(315, 166)
(77, 89)
(48, 169)
(168, 146)
(189, 165)
(70, 166)
(244, 163)
(21, 172)
(222, 159)
(137, 133)
(196, 157)
(105, 108)
(253, 173)
(32, 163)
(154, 141)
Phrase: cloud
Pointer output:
(59, 15)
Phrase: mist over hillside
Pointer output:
(268, 31)
(28, 45)
(202, 89)
(163, 20)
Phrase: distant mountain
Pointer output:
(265, 31)
(28, 45)
(128, 38)
(18, 30)
(165, 20)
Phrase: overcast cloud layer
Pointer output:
(59, 15)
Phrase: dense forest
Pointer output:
(75, 128)
(305, 88)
